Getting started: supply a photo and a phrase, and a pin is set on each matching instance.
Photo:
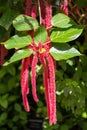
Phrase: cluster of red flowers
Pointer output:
(41, 53)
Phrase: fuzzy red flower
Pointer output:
(40, 53)
(64, 7)
(24, 82)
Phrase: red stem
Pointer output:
(3, 53)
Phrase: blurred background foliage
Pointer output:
(71, 79)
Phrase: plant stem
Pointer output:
(40, 18)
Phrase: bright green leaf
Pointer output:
(20, 54)
(18, 41)
(25, 23)
(40, 35)
(7, 18)
(84, 115)
(66, 35)
(59, 54)
(61, 20)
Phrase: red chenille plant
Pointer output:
(41, 42)
(41, 53)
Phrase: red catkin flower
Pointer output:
(42, 6)
(27, 61)
(33, 11)
(24, 82)
(49, 83)
(28, 7)
(33, 77)
(52, 89)
(41, 52)
(46, 13)
(64, 7)
(46, 83)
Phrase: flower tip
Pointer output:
(36, 99)
(53, 122)
(27, 109)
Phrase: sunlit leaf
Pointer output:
(40, 35)
(61, 20)
(66, 35)
(18, 41)
(25, 23)
(64, 54)
(20, 54)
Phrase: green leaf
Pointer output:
(18, 41)
(40, 35)
(12, 70)
(12, 98)
(7, 18)
(17, 107)
(4, 103)
(64, 127)
(3, 117)
(64, 54)
(25, 23)
(2, 73)
(20, 54)
(66, 35)
(23, 116)
(61, 20)
(3, 89)
(3, 33)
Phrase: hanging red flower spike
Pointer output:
(46, 13)
(24, 82)
(41, 53)
(28, 7)
(33, 77)
(64, 7)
